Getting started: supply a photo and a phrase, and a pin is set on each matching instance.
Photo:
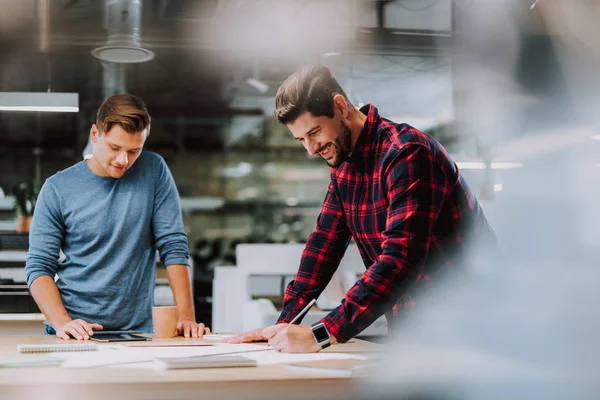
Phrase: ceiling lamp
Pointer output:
(123, 21)
(39, 101)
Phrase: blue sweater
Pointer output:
(109, 230)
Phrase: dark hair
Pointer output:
(311, 89)
(126, 110)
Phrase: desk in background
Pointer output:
(242, 294)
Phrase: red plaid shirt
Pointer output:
(406, 205)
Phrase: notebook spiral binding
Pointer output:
(51, 348)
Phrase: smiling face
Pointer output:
(115, 151)
(327, 137)
(330, 138)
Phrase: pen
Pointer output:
(304, 311)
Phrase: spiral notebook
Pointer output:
(52, 348)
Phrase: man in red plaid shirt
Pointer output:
(393, 189)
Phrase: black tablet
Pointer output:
(106, 337)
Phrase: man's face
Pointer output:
(330, 138)
(116, 150)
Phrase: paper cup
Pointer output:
(164, 319)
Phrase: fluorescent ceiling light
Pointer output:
(239, 171)
(258, 85)
(39, 101)
(481, 165)
(506, 165)
(595, 137)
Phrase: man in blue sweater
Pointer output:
(109, 215)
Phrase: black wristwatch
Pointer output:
(321, 335)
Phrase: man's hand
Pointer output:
(251, 336)
(288, 338)
(191, 329)
(78, 328)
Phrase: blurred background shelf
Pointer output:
(13, 256)
(7, 317)
(7, 203)
(8, 225)
(187, 204)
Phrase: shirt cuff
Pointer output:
(334, 322)
(176, 261)
(284, 318)
(36, 275)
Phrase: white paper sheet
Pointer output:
(130, 356)
(275, 357)
(141, 357)
(269, 357)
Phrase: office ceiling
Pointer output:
(205, 50)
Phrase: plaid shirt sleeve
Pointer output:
(415, 186)
(321, 257)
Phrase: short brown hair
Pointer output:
(126, 110)
(311, 89)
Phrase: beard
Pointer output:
(341, 145)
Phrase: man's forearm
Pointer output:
(46, 295)
(179, 280)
